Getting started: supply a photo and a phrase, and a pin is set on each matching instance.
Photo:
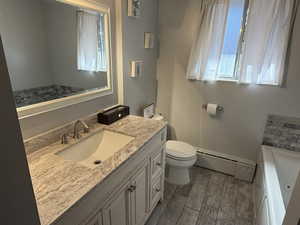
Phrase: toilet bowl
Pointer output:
(180, 157)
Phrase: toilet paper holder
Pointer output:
(219, 108)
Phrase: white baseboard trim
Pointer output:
(240, 168)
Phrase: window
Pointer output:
(248, 44)
(91, 52)
(232, 40)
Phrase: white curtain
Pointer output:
(102, 62)
(207, 48)
(91, 54)
(265, 43)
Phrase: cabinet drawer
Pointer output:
(157, 162)
(156, 190)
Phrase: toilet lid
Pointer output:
(179, 149)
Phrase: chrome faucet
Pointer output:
(86, 129)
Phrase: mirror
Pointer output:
(55, 51)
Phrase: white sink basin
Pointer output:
(96, 148)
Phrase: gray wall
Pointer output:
(17, 204)
(239, 130)
(62, 42)
(47, 120)
(140, 91)
(22, 26)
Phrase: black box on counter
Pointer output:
(114, 114)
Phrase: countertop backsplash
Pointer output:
(42, 140)
(282, 132)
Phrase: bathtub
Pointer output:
(277, 174)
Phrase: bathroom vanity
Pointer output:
(122, 189)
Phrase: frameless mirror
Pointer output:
(56, 51)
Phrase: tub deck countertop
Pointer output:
(58, 184)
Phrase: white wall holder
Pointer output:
(136, 68)
(149, 40)
(134, 8)
(219, 108)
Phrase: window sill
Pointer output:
(226, 80)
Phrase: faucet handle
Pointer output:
(64, 139)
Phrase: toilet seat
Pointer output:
(180, 159)
(180, 151)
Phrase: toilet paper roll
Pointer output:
(212, 109)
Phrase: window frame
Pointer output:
(234, 77)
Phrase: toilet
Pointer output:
(180, 157)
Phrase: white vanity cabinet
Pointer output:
(116, 212)
(157, 160)
(129, 206)
(138, 196)
(139, 188)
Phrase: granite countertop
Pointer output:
(58, 184)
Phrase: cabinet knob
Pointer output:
(157, 189)
(158, 163)
(132, 188)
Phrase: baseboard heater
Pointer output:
(240, 168)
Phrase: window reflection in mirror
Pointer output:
(54, 50)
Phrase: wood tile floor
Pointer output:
(210, 199)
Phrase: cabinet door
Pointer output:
(96, 220)
(139, 196)
(117, 211)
